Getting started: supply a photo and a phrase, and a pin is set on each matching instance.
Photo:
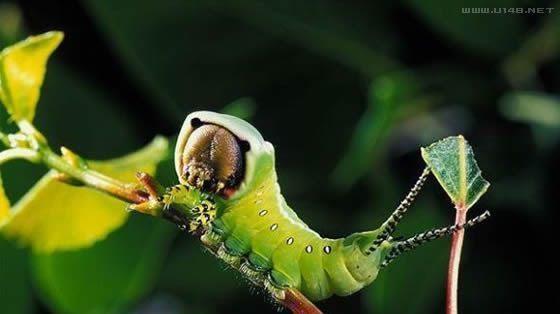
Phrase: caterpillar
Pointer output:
(229, 196)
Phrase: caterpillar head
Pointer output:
(220, 154)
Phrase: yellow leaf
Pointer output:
(56, 216)
(4, 204)
(22, 70)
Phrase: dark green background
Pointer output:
(347, 92)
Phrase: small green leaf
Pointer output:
(56, 216)
(22, 71)
(452, 161)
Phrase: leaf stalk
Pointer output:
(454, 261)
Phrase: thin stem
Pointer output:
(454, 261)
(93, 179)
(19, 153)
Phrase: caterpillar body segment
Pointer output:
(244, 220)
(288, 254)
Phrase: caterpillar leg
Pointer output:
(389, 226)
(430, 235)
(298, 303)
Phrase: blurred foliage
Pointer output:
(480, 33)
(10, 23)
(109, 275)
(539, 110)
(347, 93)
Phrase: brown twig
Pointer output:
(298, 303)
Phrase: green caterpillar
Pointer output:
(230, 197)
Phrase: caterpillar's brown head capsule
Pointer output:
(212, 158)
(218, 153)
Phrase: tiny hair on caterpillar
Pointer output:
(228, 195)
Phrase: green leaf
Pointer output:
(452, 162)
(56, 216)
(22, 71)
(110, 275)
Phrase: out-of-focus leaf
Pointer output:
(541, 111)
(484, 33)
(243, 108)
(22, 70)
(324, 27)
(169, 54)
(389, 96)
(15, 291)
(10, 23)
(543, 45)
(532, 107)
(426, 126)
(413, 282)
(452, 162)
(110, 275)
(55, 216)
(83, 117)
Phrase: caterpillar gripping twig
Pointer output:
(229, 195)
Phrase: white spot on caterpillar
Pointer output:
(263, 212)
(327, 249)
(309, 249)
(290, 241)
(274, 227)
